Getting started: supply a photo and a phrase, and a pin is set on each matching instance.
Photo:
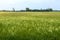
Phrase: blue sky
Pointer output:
(32, 4)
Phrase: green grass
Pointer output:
(29, 25)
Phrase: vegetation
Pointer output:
(41, 10)
(29, 25)
(28, 10)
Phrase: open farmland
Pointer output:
(29, 25)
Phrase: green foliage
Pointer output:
(39, 10)
(29, 25)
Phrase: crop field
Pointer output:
(29, 25)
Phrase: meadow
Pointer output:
(29, 25)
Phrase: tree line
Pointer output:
(39, 10)
(28, 10)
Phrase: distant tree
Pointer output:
(4, 10)
(39, 10)
(27, 9)
(13, 9)
(50, 9)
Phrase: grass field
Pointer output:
(29, 25)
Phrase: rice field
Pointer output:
(29, 25)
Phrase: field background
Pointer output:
(29, 25)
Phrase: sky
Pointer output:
(32, 4)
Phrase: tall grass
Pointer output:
(29, 26)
